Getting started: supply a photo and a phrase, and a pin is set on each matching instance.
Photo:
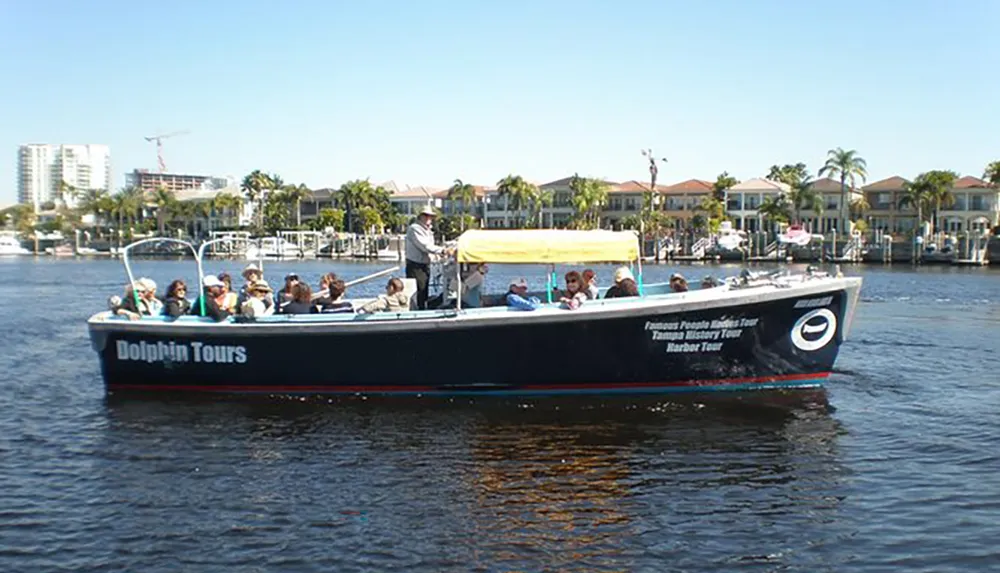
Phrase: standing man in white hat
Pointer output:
(420, 248)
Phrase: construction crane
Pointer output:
(159, 146)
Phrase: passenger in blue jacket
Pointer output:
(517, 296)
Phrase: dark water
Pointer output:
(898, 473)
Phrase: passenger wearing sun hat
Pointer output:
(205, 304)
(257, 305)
(625, 284)
(252, 274)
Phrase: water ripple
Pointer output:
(894, 468)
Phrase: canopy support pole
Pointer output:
(550, 282)
(639, 262)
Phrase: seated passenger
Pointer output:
(678, 283)
(709, 282)
(590, 284)
(256, 306)
(251, 274)
(206, 305)
(517, 296)
(472, 286)
(227, 298)
(394, 299)
(574, 295)
(624, 284)
(176, 303)
(334, 301)
(322, 296)
(141, 301)
(301, 302)
(286, 294)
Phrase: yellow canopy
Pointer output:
(547, 246)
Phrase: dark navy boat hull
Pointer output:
(789, 341)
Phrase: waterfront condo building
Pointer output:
(50, 174)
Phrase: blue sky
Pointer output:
(426, 92)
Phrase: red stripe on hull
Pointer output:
(469, 388)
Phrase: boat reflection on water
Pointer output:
(610, 484)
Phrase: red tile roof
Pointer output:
(970, 182)
(893, 183)
(827, 184)
(480, 191)
(689, 186)
(564, 182)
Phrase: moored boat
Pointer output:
(9, 245)
(753, 332)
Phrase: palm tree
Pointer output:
(295, 194)
(590, 196)
(225, 203)
(22, 218)
(542, 199)
(519, 193)
(464, 194)
(722, 185)
(66, 192)
(788, 174)
(256, 185)
(802, 197)
(939, 191)
(916, 193)
(96, 202)
(353, 195)
(858, 208)
(165, 203)
(992, 173)
(848, 166)
(715, 211)
(776, 209)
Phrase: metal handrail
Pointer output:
(128, 267)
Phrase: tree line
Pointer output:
(358, 206)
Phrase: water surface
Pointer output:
(893, 467)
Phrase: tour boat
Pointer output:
(755, 331)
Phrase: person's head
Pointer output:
(426, 216)
(251, 273)
(519, 287)
(177, 289)
(589, 277)
(291, 279)
(260, 289)
(337, 289)
(678, 283)
(325, 280)
(708, 282)
(212, 285)
(394, 285)
(574, 282)
(302, 293)
(622, 273)
(147, 288)
(227, 282)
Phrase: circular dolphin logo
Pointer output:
(814, 330)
